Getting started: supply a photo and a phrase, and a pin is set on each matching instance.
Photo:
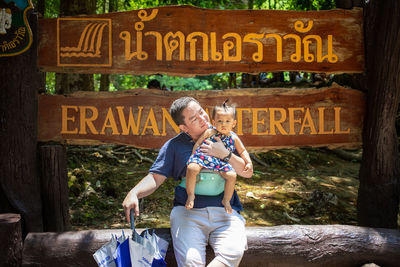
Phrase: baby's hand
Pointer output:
(249, 166)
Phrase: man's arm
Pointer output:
(145, 187)
(241, 150)
(218, 150)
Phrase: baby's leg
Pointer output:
(230, 182)
(192, 171)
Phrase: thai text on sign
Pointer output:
(186, 40)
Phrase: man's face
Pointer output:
(196, 120)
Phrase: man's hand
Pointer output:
(216, 149)
(145, 187)
(131, 202)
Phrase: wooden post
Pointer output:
(20, 80)
(10, 240)
(54, 188)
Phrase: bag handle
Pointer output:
(132, 221)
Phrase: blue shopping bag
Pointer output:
(161, 247)
(148, 250)
(123, 258)
(105, 255)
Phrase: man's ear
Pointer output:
(183, 128)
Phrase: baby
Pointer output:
(223, 121)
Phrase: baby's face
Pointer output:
(224, 122)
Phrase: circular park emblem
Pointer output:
(15, 33)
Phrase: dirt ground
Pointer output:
(301, 186)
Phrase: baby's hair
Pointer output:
(226, 108)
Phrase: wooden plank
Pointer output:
(185, 40)
(267, 118)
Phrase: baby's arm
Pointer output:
(243, 153)
(207, 133)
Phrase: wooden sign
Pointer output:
(185, 40)
(267, 118)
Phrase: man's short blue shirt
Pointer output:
(171, 162)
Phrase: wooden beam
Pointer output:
(285, 245)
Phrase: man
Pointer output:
(207, 222)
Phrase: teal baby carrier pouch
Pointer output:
(208, 183)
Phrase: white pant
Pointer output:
(193, 229)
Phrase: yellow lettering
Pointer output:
(276, 123)
(239, 115)
(208, 113)
(337, 122)
(153, 123)
(158, 44)
(167, 116)
(230, 46)
(321, 112)
(292, 121)
(65, 119)
(109, 122)
(256, 121)
(308, 122)
(132, 124)
(88, 121)
(215, 55)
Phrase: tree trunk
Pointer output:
(10, 240)
(104, 82)
(105, 78)
(19, 182)
(77, 7)
(285, 245)
(378, 195)
(54, 183)
(68, 83)
(41, 7)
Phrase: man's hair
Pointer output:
(226, 108)
(178, 106)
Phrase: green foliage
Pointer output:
(124, 82)
(311, 4)
(221, 4)
(50, 82)
(52, 8)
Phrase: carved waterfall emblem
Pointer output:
(89, 42)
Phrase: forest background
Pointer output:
(301, 186)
